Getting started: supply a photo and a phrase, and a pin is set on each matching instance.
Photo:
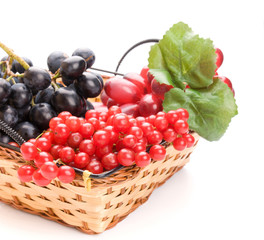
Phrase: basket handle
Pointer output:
(151, 40)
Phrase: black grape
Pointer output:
(9, 115)
(16, 81)
(20, 95)
(44, 96)
(99, 77)
(1, 74)
(87, 54)
(5, 138)
(55, 59)
(5, 58)
(66, 99)
(88, 85)
(18, 66)
(40, 115)
(5, 90)
(87, 106)
(37, 78)
(67, 81)
(27, 130)
(23, 113)
(73, 67)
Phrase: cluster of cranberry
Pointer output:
(101, 141)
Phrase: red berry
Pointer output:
(136, 131)
(155, 137)
(101, 151)
(49, 135)
(172, 116)
(182, 113)
(64, 115)
(157, 152)
(121, 122)
(62, 132)
(86, 130)
(114, 136)
(139, 147)
(67, 154)
(189, 140)
(13, 144)
(95, 167)
(151, 119)
(28, 151)
(25, 173)
(55, 151)
(95, 122)
(109, 161)
(39, 179)
(142, 159)
(54, 122)
(129, 141)
(179, 144)
(32, 140)
(92, 114)
(126, 157)
(161, 123)
(42, 157)
(114, 110)
(43, 144)
(49, 170)
(73, 123)
(81, 160)
(66, 174)
(101, 138)
(169, 135)
(87, 146)
(147, 128)
(181, 127)
(74, 139)
(219, 58)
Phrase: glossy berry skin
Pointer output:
(43, 144)
(157, 152)
(88, 85)
(64, 115)
(137, 80)
(219, 58)
(5, 90)
(172, 116)
(25, 173)
(142, 159)
(181, 127)
(155, 137)
(122, 91)
(55, 151)
(36, 78)
(23, 113)
(55, 59)
(190, 140)
(74, 140)
(149, 105)
(20, 95)
(40, 115)
(9, 115)
(87, 54)
(101, 138)
(49, 170)
(66, 174)
(129, 141)
(169, 135)
(81, 160)
(126, 157)
(19, 68)
(131, 109)
(182, 113)
(136, 131)
(86, 130)
(42, 157)
(179, 144)
(66, 99)
(4, 138)
(95, 167)
(39, 180)
(121, 122)
(62, 131)
(161, 123)
(44, 96)
(109, 161)
(73, 123)
(54, 122)
(73, 67)
(87, 146)
(67, 154)
(28, 151)
(27, 130)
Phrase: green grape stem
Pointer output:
(14, 56)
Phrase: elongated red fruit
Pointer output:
(122, 91)
(137, 80)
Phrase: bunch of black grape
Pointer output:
(28, 103)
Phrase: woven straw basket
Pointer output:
(109, 201)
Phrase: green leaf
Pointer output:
(187, 57)
(163, 76)
(210, 109)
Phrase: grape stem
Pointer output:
(11, 79)
(14, 56)
(56, 87)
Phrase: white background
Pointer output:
(219, 194)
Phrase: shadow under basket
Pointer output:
(108, 202)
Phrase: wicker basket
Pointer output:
(109, 201)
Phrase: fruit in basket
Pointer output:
(55, 59)
(86, 54)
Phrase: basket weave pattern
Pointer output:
(110, 200)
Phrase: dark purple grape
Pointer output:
(20, 95)
(5, 58)
(27, 130)
(40, 115)
(88, 85)
(18, 66)
(87, 54)
(67, 81)
(37, 78)
(9, 115)
(55, 59)
(44, 96)
(1, 74)
(23, 113)
(87, 106)
(5, 138)
(99, 77)
(73, 67)
(66, 99)
(16, 81)
(5, 90)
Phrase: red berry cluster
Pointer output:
(101, 141)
